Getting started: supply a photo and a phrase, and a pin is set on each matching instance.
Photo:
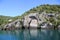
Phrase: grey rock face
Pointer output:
(45, 25)
(34, 23)
(58, 26)
(31, 20)
(15, 24)
(34, 19)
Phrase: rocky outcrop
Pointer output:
(31, 20)
(13, 25)
(34, 20)
(58, 26)
(46, 25)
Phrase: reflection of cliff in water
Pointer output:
(30, 35)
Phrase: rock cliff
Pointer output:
(34, 20)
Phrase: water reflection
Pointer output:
(34, 33)
(30, 35)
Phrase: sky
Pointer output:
(18, 7)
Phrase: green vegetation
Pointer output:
(41, 8)
(48, 9)
(4, 19)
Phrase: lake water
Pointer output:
(30, 35)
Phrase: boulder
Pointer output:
(58, 26)
(45, 25)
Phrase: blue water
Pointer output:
(30, 35)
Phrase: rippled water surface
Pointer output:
(30, 35)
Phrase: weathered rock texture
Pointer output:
(31, 20)
(34, 20)
(13, 25)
